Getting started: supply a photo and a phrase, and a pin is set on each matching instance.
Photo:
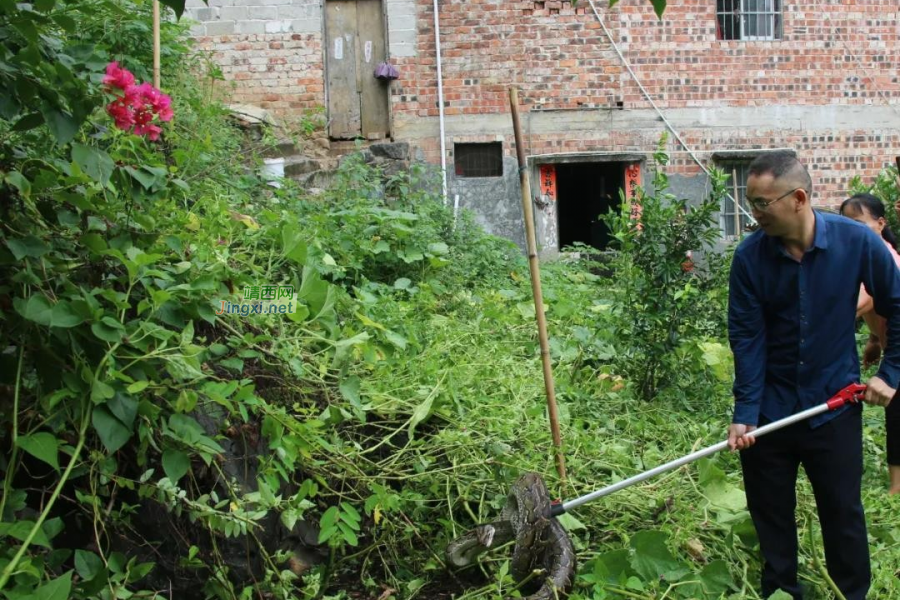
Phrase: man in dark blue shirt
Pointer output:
(791, 322)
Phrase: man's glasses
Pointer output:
(762, 204)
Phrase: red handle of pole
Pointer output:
(851, 394)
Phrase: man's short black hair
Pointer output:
(782, 163)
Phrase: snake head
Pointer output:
(485, 535)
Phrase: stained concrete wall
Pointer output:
(401, 16)
(230, 17)
(497, 205)
(691, 188)
(495, 201)
(694, 189)
(836, 142)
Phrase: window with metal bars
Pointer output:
(737, 171)
(748, 20)
(478, 160)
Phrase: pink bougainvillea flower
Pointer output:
(151, 131)
(164, 108)
(138, 105)
(132, 94)
(143, 91)
(118, 77)
(142, 114)
(121, 113)
(160, 103)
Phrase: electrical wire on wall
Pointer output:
(672, 129)
(659, 112)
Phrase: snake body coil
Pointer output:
(541, 542)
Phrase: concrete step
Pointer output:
(381, 148)
(286, 148)
(300, 165)
(315, 179)
(342, 147)
(392, 150)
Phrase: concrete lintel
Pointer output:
(725, 155)
(586, 157)
(744, 118)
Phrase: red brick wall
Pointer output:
(564, 60)
(282, 72)
(831, 53)
(833, 159)
(558, 61)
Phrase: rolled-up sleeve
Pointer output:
(882, 279)
(747, 335)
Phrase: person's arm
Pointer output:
(882, 279)
(876, 342)
(864, 304)
(747, 335)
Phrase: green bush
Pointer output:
(666, 305)
(394, 230)
(114, 252)
(123, 387)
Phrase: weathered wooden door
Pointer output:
(357, 101)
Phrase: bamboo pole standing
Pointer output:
(737, 205)
(156, 44)
(536, 285)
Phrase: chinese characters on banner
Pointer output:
(632, 181)
(548, 183)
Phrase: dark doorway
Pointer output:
(584, 192)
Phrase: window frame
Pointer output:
(727, 210)
(771, 16)
(475, 147)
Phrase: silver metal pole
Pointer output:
(800, 416)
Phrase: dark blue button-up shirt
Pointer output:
(792, 324)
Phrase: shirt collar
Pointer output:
(820, 240)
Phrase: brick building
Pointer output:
(729, 76)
